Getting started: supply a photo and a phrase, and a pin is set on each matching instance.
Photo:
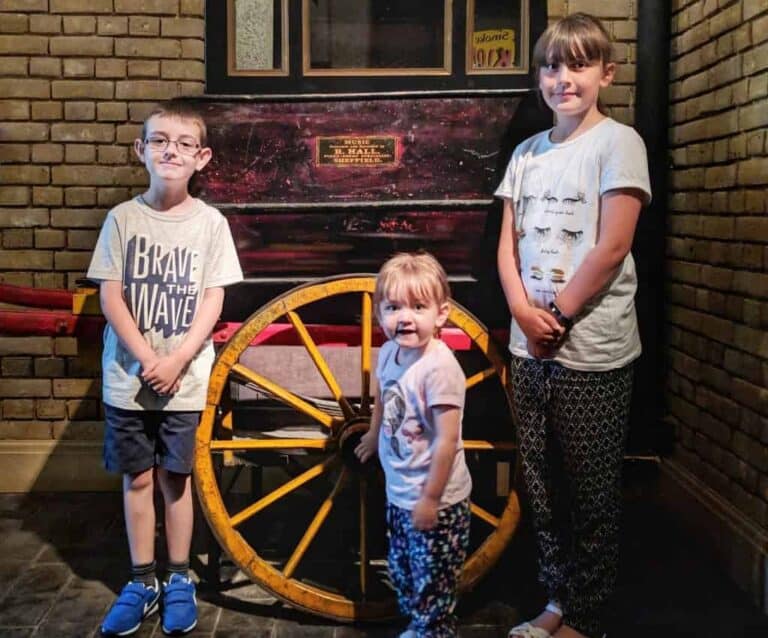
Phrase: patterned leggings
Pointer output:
(571, 433)
(425, 567)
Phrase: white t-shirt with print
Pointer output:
(556, 190)
(165, 263)
(407, 434)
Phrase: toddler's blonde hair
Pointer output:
(413, 276)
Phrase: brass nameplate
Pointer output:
(356, 151)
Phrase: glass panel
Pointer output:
(376, 34)
(496, 42)
(258, 35)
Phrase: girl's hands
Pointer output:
(368, 445)
(424, 515)
(541, 328)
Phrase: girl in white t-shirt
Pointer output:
(416, 429)
(572, 197)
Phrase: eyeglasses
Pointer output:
(184, 145)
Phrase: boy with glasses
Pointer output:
(162, 261)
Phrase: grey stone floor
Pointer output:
(63, 557)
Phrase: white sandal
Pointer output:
(527, 630)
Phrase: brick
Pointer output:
(112, 111)
(46, 67)
(26, 260)
(65, 346)
(80, 153)
(144, 25)
(113, 155)
(143, 68)
(80, 110)
(26, 430)
(182, 28)
(43, 23)
(77, 218)
(195, 50)
(754, 60)
(20, 174)
(193, 70)
(81, 45)
(79, 67)
(17, 279)
(80, 196)
(147, 48)
(47, 153)
(15, 66)
(14, 110)
(14, 23)
(92, 132)
(51, 409)
(112, 25)
(67, 260)
(17, 367)
(18, 408)
(752, 8)
(754, 115)
(76, 6)
(155, 7)
(23, 132)
(79, 409)
(23, 217)
(17, 87)
(24, 5)
(197, 7)
(753, 171)
(110, 68)
(47, 111)
(39, 346)
(97, 89)
(76, 388)
(112, 196)
(21, 44)
(601, 9)
(14, 195)
(79, 24)
(18, 238)
(14, 152)
(50, 238)
(147, 90)
(82, 239)
(83, 175)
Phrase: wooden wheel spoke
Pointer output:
(281, 491)
(320, 363)
(479, 377)
(286, 396)
(363, 537)
(497, 446)
(314, 527)
(270, 444)
(366, 343)
(484, 515)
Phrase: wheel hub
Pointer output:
(351, 433)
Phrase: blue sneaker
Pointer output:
(179, 605)
(134, 604)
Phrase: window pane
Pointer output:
(496, 40)
(258, 34)
(376, 34)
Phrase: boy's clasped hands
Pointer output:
(164, 373)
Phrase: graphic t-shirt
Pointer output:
(407, 434)
(165, 263)
(556, 190)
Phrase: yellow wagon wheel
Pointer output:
(324, 463)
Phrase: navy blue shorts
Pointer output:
(136, 440)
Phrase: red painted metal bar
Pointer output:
(36, 297)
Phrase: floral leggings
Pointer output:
(571, 432)
(425, 567)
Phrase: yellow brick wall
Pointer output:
(717, 248)
(76, 80)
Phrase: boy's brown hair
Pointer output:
(180, 110)
(415, 276)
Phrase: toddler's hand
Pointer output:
(424, 515)
(368, 446)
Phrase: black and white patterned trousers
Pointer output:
(571, 428)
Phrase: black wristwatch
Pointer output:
(564, 320)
